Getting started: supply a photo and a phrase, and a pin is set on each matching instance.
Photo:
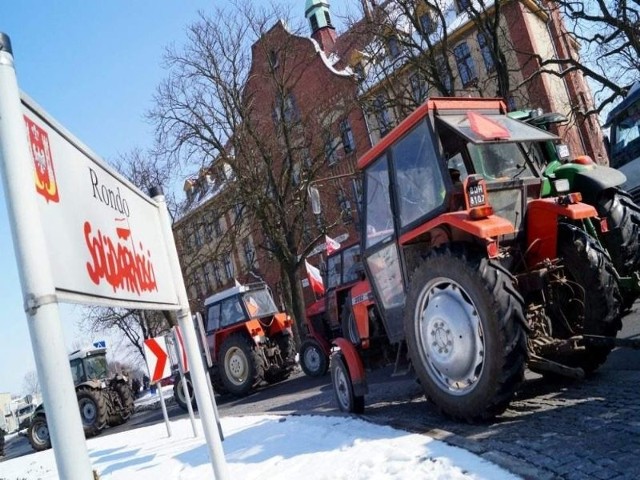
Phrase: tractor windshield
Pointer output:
(96, 367)
(259, 303)
(625, 134)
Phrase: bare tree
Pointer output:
(229, 108)
(410, 45)
(30, 383)
(608, 32)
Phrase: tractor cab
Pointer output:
(89, 364)
(238, 305)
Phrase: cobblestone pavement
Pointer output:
(578, 430)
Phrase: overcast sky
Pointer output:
(93, 66)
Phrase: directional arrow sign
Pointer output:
(155, 350)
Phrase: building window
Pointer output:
(331, 151)
(345, 207)
(249, 252)
(207, 220)
(314, 23)
(427, 24)
(216, 274)
(443, 73)
(465, 64)
(463, 5)
(348, 142)
(382, 114)
(273, 59)
(238, 209)
(197, 237)
(217, 226)
(206, 273)
(327, 18)
(228, 266)
(393, 46)
(286, 110)
(485, 50)
(295, 175)
(418, 88)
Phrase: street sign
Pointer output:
(155, 351)
(104, 235)
(100, 344)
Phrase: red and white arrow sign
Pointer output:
(155, 350)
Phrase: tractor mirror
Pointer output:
(314, 196)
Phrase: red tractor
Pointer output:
(474, 275)
(249, 340)
(347, 293)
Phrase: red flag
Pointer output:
(315, 279)
(332, 245)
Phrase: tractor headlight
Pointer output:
(561, 185)
(563, 152)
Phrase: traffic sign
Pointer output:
(155, 350)
(100, 344)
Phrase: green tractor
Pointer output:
(600, 187)
(103, 399)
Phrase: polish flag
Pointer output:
(332, 245)
(315, 279)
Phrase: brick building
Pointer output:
(342, 116)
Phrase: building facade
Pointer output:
(350, 89)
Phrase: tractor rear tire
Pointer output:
(589, 267)
(93, 411)
(622, 240)
(178, 393)
(241, 366)
(343, 390)
(464, 330)
(38, 434)
(313, 358)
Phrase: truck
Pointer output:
(474, 275)
(249, 341)
(624, 140)
(103, 399)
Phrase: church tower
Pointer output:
(322, 30)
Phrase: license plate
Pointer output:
(476, 194)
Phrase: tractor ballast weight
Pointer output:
(248, 339)
(474, 275)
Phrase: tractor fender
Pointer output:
(486, 228)
(591, 183)
(542, 226)
(354, 364)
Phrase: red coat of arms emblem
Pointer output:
(45, 177)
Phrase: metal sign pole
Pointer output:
(183, 379)
(205, 408)
(164, 408)
(207, 355)
(41, 306)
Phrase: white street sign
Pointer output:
(103, 235)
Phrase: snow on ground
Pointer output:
(269, 447)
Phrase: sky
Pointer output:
(94, 67)
(268, 446)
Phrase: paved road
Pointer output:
(564, 430)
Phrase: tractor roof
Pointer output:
(229, 292)
(87, 352)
